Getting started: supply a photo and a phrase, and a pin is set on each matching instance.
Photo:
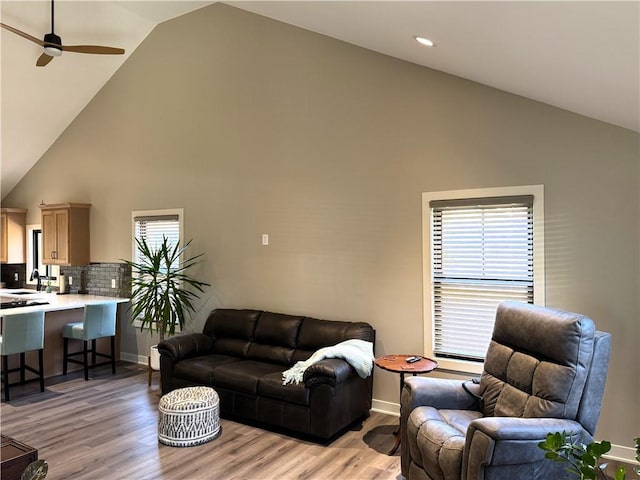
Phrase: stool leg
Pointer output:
(93, 351)
(86, 363)
(150, 370)
(22, 367)
(113, 355)
(65, 352)
(5, 377)
(41, 362)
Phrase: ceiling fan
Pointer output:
(53, 46)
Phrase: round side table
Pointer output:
(398, 364)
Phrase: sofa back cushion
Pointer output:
(231, 330)
(315, 334)
(537, 362)
(274, 338)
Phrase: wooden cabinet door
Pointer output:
(49, 237)
(65, 234)
(13, 235)
(62, 237)
(4, 241)
(55, 237)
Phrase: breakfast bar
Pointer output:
(59, 310)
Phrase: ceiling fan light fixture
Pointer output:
(424, 41)
(53, 47)
(54, 50)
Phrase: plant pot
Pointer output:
(154, 358)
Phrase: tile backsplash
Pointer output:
(8, 272)
(96, 279)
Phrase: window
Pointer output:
(48, 273)
(481, 247)
(153, 225)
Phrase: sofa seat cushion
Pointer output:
(243, 376)
(271, 386)
(201, 369)
(437, 438)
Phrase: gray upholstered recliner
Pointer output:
(544, 372)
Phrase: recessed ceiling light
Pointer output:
(425, 41)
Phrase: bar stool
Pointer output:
(99, 321)
(22, 332)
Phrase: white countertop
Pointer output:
(54, 301)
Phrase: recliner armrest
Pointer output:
(430, 392)
(513, 428)
(331, 371)
(186, 346)
(493, 442)
(437, 393)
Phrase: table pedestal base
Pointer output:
(399, 364)
(397, 444)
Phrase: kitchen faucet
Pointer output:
(36, 275)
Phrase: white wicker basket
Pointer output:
(189, 416)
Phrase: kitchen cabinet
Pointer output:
(13, 235)
(65, 234)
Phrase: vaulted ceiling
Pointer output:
(581, 56)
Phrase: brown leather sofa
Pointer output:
(242, 354)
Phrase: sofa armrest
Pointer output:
(502, 441)
(330, 371)
(186, 346)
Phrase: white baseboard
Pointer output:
(388, 408)
(130, 357)
(622, 454)
(617, 452)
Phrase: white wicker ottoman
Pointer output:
(189, 416)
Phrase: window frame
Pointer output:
(467, 366)
(155, 213)
(49, 273)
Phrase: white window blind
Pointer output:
(154, 228)
(482, 254)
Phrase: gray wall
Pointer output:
(253, 126)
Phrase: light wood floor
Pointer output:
(106, 428)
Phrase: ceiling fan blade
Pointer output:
(93, 49)
(22, 34)
(43, 60)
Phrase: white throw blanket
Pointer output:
(358, 353)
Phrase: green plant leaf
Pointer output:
(582, 459)
(588, 459)
(597, 449)
(162, 291)
(587, 473)
(621, 473)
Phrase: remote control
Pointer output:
(413, 359)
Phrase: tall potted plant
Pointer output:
(163, 291)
